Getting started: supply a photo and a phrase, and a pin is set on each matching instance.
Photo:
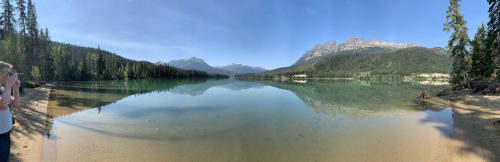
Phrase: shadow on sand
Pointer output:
(472, 123)
(30, 122)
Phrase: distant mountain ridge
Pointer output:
(241, 69)
(331, 48)
(372, 61)
(194, 63)
(359, 58)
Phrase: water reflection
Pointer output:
(443, 120)
(72, 97)
(357, 98)
(233, 120)
(351, 98)
(199, 89)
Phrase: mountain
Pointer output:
(400, 62)
(242, 69)
(194, 63)
(360, 58)
(332, 48)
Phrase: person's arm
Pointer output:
(6, 96)
(17, 96)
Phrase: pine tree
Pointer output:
(1, 28)
(482, 64)
(458, 43)
(493, 36)
(91, 57)
(73, 73)
(47, 58)
(31, 20)
(10, 52)
(100, 63)
(61, 63)
(8, 18)
(84, 73)
(33, 36)
(21, 23)
(21, 9)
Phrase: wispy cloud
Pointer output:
(256, 32)
(133, 49)
(310, 10)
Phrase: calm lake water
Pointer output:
(233, 120)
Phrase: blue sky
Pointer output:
(265, 33)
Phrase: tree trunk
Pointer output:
(467, 81)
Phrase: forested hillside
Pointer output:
(29, 48)
(368, 62)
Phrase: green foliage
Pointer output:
(61, 65)
(127, 72)
(30, 50)
(83, 70)
(100, 64)
(31, 20)
(36, 75)
(7, 18)
(400, 62)
(21, 9)
(482, 61)
(47, 60)
(32, 41)
(458, 42)
(370, 62)
(96, 64)
(10, 52)
(493, 33)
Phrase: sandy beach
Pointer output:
(27, 134)
(475, 136)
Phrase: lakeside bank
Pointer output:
(27, 134)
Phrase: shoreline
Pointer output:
(475, 136)
(28, 133)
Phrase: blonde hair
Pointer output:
(5, 65)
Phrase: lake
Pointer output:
(235, 120)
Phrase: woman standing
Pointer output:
(10, 83)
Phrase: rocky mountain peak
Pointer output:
(351, 44)
(199, 60)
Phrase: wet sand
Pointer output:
(475, 137)
(27, 134)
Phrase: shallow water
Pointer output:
(232, 120)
